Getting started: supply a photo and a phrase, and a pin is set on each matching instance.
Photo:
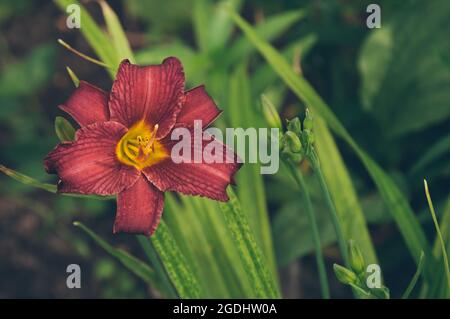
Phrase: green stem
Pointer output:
(333, 214)
(312, 220)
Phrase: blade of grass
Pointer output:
(396, 201)
(439, 234)
(252, 257)
(415, 278)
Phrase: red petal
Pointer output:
(139, 208)
(154, 93)
(89, 165)
(87, 105)
(204, 179)
(198, 105)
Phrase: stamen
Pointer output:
(139, 147)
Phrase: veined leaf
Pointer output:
(396, 201)
(251, 191)
(185, 282)
(252, 257)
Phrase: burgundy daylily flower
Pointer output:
(123, 147)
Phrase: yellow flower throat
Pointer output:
(139, 147)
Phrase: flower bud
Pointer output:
(293, 142)
(270, 113)
(356, 258)
(310, 138)
(344, 275)
(294, 157)
(294, 125)
(308, 121)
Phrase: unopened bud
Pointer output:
(308, 121)
(356, 258)
(344, 275)
(270, 113)
(293, 142)
(294, 125)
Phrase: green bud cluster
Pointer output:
(356, 275)
(297, 143)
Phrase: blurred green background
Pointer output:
(390, 88)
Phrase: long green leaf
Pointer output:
(349, 211)
(24, 179)
(27, 180)
(186, 284)
(95, 36)
(116, 32)
(133, 264)
(161, 274)
(251, 255)
(201, 11)
(439, 237)
(415, 278)
(397, 203)
(221, 26)
(267, 30)
(251, 192)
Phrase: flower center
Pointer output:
(139, 147)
